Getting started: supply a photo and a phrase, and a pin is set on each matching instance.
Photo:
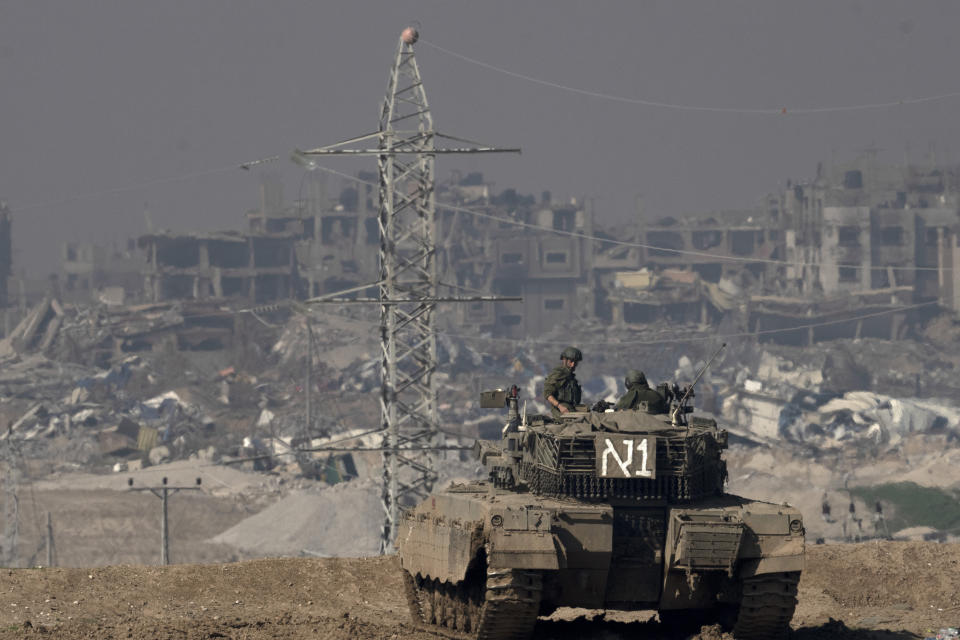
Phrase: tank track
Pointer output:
(504, 607)
(766, 606)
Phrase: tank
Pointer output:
(601, 509)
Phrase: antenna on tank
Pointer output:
(689, 390)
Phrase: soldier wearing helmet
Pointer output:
(639, 391)
(561, 389)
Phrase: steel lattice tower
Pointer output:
(406, 149)
(408, 399)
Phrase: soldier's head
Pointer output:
(635, 378)
(570, 357)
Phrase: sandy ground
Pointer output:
(774, 475)
(891, 590)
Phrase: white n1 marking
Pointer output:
(642, 448)
(624, 465)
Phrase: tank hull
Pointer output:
(624, 555)
(610, 554)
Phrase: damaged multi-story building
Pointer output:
(868, 236)
(92, 271)
(863, 239)
(259, 265)
(800, 267)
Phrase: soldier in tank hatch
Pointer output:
(561, 389)
(639, 391)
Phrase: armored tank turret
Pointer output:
(601, 509)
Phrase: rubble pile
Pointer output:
(82, 403)
(824, 407)
(113, 389)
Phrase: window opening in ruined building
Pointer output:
(71, 253)
(849, 274)
(232, 287)
(228, 255)
(848, 236)
(634, 313)
(891, 236)
(706, 239)
(178, 252)
(556, 257)
(931, 237)
(709, 272)
(564, 219)
(508, 287)
(173, 287)
(553, 304)
(511, 320)
(742, 242)
(853, 179)
(269, 252)
(336, 230)
(666, 240)
(511, 258)
(270, 287)
(276, 225)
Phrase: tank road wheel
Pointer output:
(503, 608)
(766, 606)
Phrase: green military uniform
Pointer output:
(639, 391)
(562, 384)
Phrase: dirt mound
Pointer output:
(889, 591)
(339, 521)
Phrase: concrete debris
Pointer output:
(804, 404)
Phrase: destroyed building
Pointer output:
(867, 226)
(256, 267)
(92, 272)
(550, 272)
(858, 238)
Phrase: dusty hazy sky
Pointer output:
(107, 94)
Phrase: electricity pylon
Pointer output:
(406, 149)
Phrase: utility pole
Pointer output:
(308, 384)
(11, 505)
(51, 554)
(406, 147)
(164, 491)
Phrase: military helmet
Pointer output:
(572, 353)
(635, 377)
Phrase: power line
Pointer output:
(132, 187)
(512, 222)
(663, 341)
(765, 111)
(707, 338)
